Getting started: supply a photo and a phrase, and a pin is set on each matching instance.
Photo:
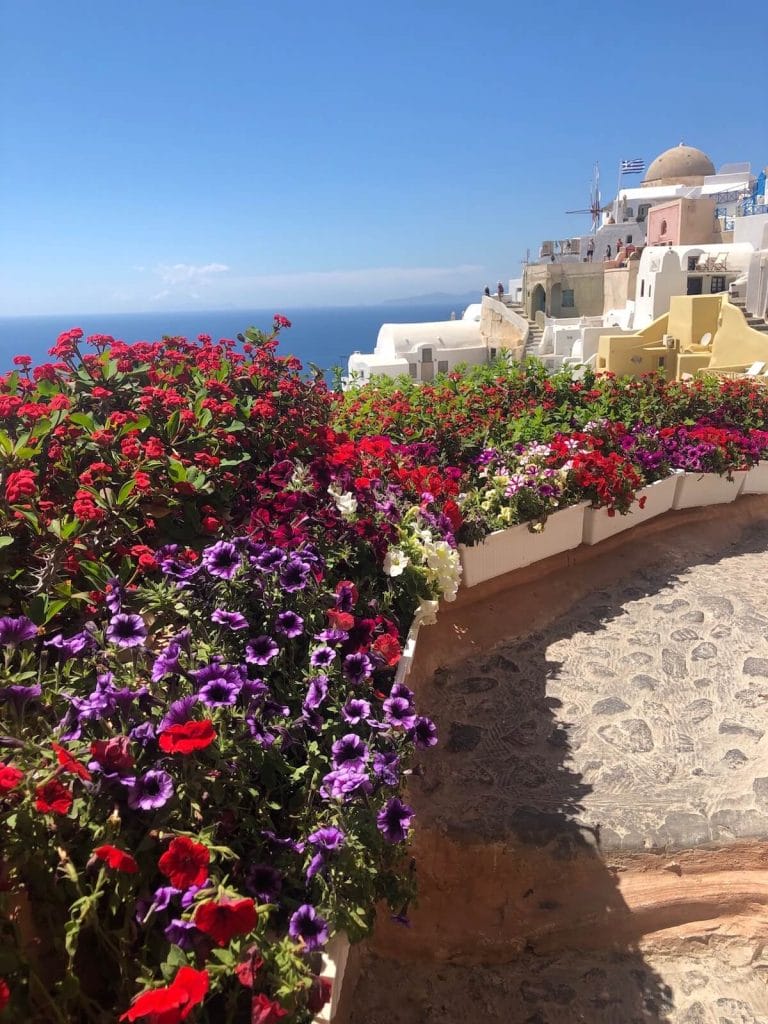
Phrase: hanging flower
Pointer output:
(53, 798)
(185, 863)
(225, 919)
(117, 859)
(171, 1003)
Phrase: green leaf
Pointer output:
(82, 419)
(176, 471)
(5, 541)
(125, 491)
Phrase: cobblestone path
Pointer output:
(634, 724)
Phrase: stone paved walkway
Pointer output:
(634, 724)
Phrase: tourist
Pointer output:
(500, 290)
(488, 291)
(590, 249)
(608, 252)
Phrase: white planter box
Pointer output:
(506, 550)
(598, 525)
(756, 479)
(409, 651)
(335, 959)
(696, 489)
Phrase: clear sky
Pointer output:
(173, 154)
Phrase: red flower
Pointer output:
(113, 755)
(340, 620)
(389, 648)
(173, 1002)
(117, 859)
(5, 994)
(247, 970)
(226, 919)
(10, 777)
(319, 994)
(53, 798)
(20, 485)
(183, 739)
(185, 862)
(69, 764)
(265, 1011)
(22, 360)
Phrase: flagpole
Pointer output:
(618, 189)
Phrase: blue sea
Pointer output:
(325, 336)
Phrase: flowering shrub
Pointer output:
(203, 739)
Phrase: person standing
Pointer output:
(500, 290)
(590, 249)
(488, 291)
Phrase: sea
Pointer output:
(324, 336)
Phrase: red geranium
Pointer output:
(69, 764)
(117, 859)
(53, 798)
(265, 1011)
(173, 1002)
(185, 862)
(225, 919)
(189, 736)
(10, 777)
(19, 485)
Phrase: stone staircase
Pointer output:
(756, 323)
(534, 331)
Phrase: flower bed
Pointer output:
(652, 500)
(203, 735)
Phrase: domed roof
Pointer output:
(679, 164)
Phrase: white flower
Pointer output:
(346, 502)
(395, 562)
(426, 613)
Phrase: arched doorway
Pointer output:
(538, 301)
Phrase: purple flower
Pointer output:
(222, 559)
(178, 571)
(289, 624)
(167, 662)
(349, 752)
(188, 896)
(344, 783)
(332, 636)
(232, 620)
(261, 650)
(179, 712)
(317, 691)
(143, 734)
(322, 657)
(424, 732)
(401, 690)
(399, 713)
(15, 631)
(294, 575)
(219, 684)
(357, 667)
(316, 864)
(152, 790)
(113, 595)
(18, 695)
(270, 559)
(264, 882)
(308, 927)
(356, 711)
(328, 838)
(126, 630)
(386, 766)
(163, 897)
(394, 820)
(345, 597)
(68, 648)
(181, 933)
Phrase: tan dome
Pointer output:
(679, 164)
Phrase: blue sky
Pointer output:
(174, 154)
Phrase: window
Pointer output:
(493, 353)
(413, 370)
(642, 288)
(442, 366)
(567, 302)
(663, 227)
(642, 211)
(717, 284)
(629, 239)
(649, 291)
(692, 262)
(426, 355)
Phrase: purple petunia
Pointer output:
(308, 927)
(349, 752)
(181, 933)
(163, 897)
(18, 696)
(264, 882)
(179, 712)
(294, 575)
(222, 560)
(232, 620)
(317, 691)
(126, 630)
(70, 647)
(289, 624)
(356, 711)
(322, 657)
(345, 783)
(15, 631)
(328, 838)
(114, 595)
(167, 662)
(357, 667)
(269, 560)
(424, 732)
(152, 790)
(394, 820)
(399, 713)
(219, 684)
(261, 650)
(386, 768)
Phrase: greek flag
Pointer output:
(632, 166)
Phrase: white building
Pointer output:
(422, 350)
